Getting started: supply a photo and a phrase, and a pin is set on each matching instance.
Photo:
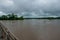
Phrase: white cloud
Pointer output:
(2, 13)
(6, 2)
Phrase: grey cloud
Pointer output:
(32, 7)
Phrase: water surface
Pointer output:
(34, 29)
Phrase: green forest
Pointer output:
(11, 17)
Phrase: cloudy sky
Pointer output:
(30, 8)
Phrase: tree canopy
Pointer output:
(11, 17)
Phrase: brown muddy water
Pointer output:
(34, 29)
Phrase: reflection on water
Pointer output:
(34, 29)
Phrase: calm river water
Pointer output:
(34, 29)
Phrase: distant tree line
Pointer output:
(45, 18)
(11, 17)
(51, 18)
(15, 17)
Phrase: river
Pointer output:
(34, 29)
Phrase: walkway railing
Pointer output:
(6, 34)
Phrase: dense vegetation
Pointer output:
(11, 17)
(15, 17)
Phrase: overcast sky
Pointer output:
(30, 8)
